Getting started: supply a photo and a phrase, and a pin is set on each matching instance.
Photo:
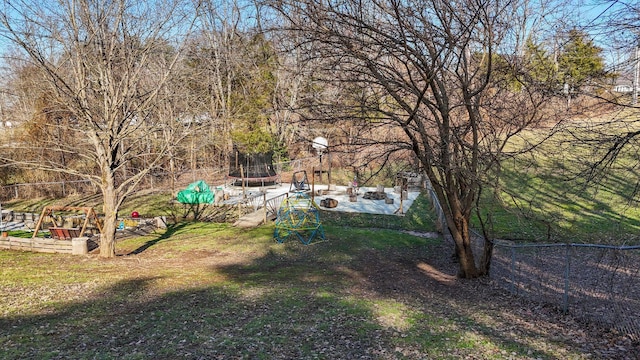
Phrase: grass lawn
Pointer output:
(211, 291)
(544, 195)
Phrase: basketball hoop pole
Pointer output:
(321, 145)
(329, 172)
(320, 172)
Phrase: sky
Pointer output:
(591, 15)
(593, 18)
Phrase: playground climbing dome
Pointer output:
(299, 217)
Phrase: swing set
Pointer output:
(58, 231)
(299, 181)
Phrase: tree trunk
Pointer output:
(485, 262)
(487, 248)
(462, 239)
(468, 268)
(108, 236)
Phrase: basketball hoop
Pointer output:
(320, 144)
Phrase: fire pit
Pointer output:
(374, 195)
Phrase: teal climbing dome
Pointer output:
(299, 217)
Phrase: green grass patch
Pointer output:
(27, 234)
(545, 196)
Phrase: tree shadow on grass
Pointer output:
(167, 234)
(170, 233)
(128, 321)
(296, 302)
(413, 296)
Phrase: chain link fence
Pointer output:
(51, 189)
(596, 283)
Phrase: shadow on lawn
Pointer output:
(167, 235)
(568, 210)
(169, 232)
(302, 303)
(416, 300)
(210, 323)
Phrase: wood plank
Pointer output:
(37, 245)
(48, 241)
(41, 250)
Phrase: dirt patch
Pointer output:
(482, 305)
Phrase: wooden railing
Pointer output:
(272, 205)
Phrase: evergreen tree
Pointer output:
(580, 61)
(539, 66)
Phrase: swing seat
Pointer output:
(60, 233)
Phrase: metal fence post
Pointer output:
(567, 270)
(513, 269)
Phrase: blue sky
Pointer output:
(593, 17)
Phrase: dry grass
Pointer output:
(207, 291)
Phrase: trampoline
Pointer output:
(252, 169)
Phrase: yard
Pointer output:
(210, 291)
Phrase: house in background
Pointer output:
(623, 88)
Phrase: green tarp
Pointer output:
(196, 193)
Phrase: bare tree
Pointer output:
(232, 67)
(105, 64)
(443, 73)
